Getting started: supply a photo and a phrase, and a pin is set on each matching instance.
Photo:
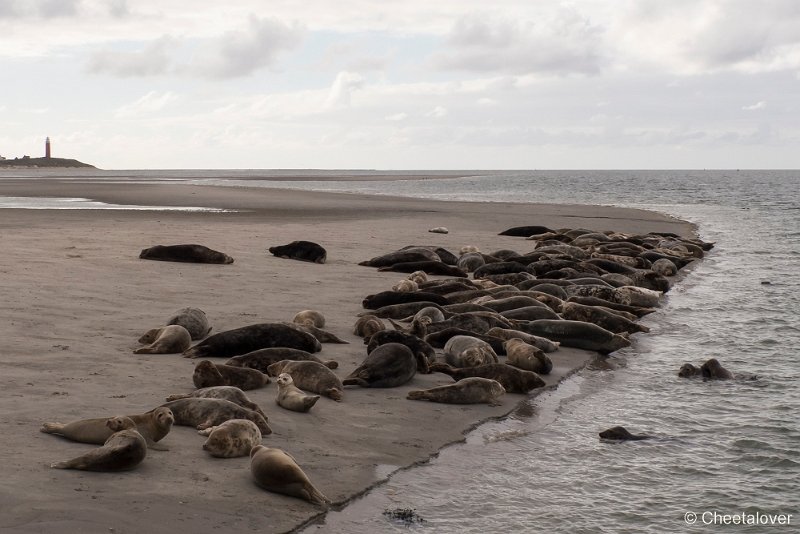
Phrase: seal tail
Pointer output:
(315, 496)
(177, 396)
(193, 352)
(309, 402)
(331, 364)
(355, 381)
(144, 350)
(417, 395)
(52, 428)
(334, 393)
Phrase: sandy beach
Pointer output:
(77, 297)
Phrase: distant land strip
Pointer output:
(42, 162)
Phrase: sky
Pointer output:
(403, 84)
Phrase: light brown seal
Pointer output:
(277, 471)
(233, 438)
(468, 351)
(528, 357)
(405, 286)
(418, 277)
(152, 425)
(310, 376)
(170, 339)
(291, 397)
(229, 393)
(471, 390)
(204, 413)
(209, 374)
(367, 325)
(123, 450)
(310, 317)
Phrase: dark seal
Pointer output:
(184, 253)
(301, 250)
(387, 366)
(620, 433)
(254, 337)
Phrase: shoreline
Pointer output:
(87, 261)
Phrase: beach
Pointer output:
(78, 297)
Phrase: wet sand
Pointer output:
(77, 298)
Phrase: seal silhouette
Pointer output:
(301, 250)
(185, 254)
(253, 337)
(310, 376)
(204, 413)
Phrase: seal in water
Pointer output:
(152, 425)
(619, 433)
(209, 374)
(277, 471)
(301, 250)
(231, 439)
(193, 320)
(170, 339)
(713, 370)
(471, 390)
(249, 338)
(205, 413)
(291, 397)
(387, 366)
(185, 253)
(310, 376)
(123, 450)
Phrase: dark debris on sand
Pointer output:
(407, 516)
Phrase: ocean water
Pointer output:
(723, 451)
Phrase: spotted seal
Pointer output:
(512, 379)
(604, 318)
(122, 451)
(468, 351)
(185, 254)
(309, 317)
(170, 339)
(367, 325)
(422, 351)
(261, 359)
(152, 425)
(231, 439)
(291, 397)
(541, 343)
(205, 413)
(472, 390)
(277, 471)
(310, 376)
(194, 320)
(576, 334)
(229, 393)
(527, 357)
(209, 374)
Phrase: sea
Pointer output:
(724, 455)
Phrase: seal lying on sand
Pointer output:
(387, 366)
(576, 334)
(123, 450)
(619, 433)
(152, 425)
(429, 267)
(170, 339)
(205, 413)
(301, 250)
(193, 320)
(291, 397)
(185, 253)
(471, 390)
(526, 231)
(209, 374)
(277, 471)
(527, 357)
(253, 337)
(367, 325)
(229, 393)
(309, 317)
(233, 438)
(423, 352)
(512, 379)
(263, 358)
(310, 376)
(468, 351)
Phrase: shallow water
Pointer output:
(725, 447)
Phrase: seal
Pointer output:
(193, 320)
(468, 351)
(429, 267)
(576, 334)
(402, 256)
(423, 352)
(208, 374)
(471, 261)
(688, 370)
(530, 313)
(439, 230)
(473, 390)
(474, 322)
(512, 303)
(170, 339)
(263, 358)
(323, 336)
(527, 357)
(291, 397)
(277, 471)
(310, 376)
(664, 267)
(368, 325)
(389, 298)
(512, 379)
(388, 366)
(405, 286)
(301, 250)
(309, 317)
(418, 276)
(249, 338)
(122, 451)
(228, 393)
(434, 314)
(525, 231)
(152, 425)
(541, 343)
(231, 439)
(637, 296)
(620, 433)
(401, 311)
(713, 370)
(594, 301)
(503, 267)
(439, 339)
(205, 413)
(603, 318)
(185, 254)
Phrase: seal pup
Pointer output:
(193, 320)
(368, 325)
(170, 339)
(389, 365)
(253, 337)
(263, 358)
(472, 390)
(205, 413)
(152, 426)
(301, 250)
(228, 393)
(123, 450)
(418, 277)
(309, 317)
(468, 351)
(233, 438)
(620, 433)
(185, 253)
(291, 397)
(310, 376)
(209, 374)
(405, 286)
(512, 379)
(277, 471)
(527, 357)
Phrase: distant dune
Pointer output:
(42, 162)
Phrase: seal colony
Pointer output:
(268, 280)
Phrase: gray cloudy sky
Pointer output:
(445, 84)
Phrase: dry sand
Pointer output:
(77, 298)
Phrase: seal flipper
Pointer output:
(52, 428)
(355, 381)
(155, 446)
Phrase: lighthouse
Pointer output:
(47, 147)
